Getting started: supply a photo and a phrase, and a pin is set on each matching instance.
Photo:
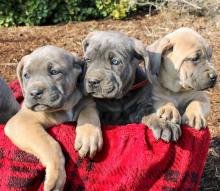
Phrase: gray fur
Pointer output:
(59, 91)
(116, 102)
(8, 104)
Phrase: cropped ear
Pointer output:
(141, 51)
(156, 52)
(19, 70)
(86, 41)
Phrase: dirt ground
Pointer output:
(16, 42)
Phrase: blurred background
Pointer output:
(28, 24)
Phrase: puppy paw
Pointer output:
(169, 113)
(194, 119)
(55, 177)
(88, 140)
(163, 129)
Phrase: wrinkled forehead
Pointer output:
(102, 45)
(36, 62)
(189, 41)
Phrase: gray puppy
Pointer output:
(48, 78)
(8, 104)
(112, 61)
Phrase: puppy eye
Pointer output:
(54, 72)
(26, 76)
(196, 58)
(87, 60)
(114, 61)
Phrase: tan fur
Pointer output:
(27, 128)
(179, 80)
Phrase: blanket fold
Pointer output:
(131, 159)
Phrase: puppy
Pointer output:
(112, 61)
(182, 68)
(48, 78)
(8, 104)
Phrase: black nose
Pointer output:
(94, 82)
(36, 93)
(213, 78)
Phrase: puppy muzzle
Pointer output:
(206, 80)
(106, 87)
(39, 99)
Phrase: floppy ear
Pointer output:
(156, 52)
(209, 52)
(77, 63)
(19, 70)
(85, 42)
(142, 52)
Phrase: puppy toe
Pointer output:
(160, 112)
(191, 121)
(78, 143)
(157, 132)
(199, 123)
(166, 135)
(92, 151)
(176, 118)
(176, 132)
(100, 142)
(167, 115)
(84, 149)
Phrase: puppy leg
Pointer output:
(26, 131)
(88, 131)
(169, 112)
(162, 129)
(196, 112)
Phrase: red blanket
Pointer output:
(130, 160)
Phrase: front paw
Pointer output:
(55, 175)
(163, 129)
(194, 119)
(88, 140)
(169, 113)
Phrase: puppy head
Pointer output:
(112, 59)
(183, 56)
(48, 78)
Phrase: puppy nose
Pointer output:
(213, 77)
(36, 93)
(94, 82)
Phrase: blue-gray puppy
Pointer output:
(8, 104)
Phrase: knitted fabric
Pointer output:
(131, 160)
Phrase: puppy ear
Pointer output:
(85, 42)
(142, 52)
(19, 70)
(156, 52)
(209, 52)
(76, 59)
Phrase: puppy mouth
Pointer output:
(206, 86)
(55, 102)
(109, 92)
(40, 107)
